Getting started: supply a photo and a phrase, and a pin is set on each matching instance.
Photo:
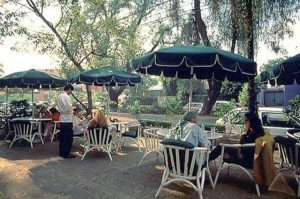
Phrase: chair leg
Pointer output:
(257, 189)
(200, 185)
(163, 180)
(143, 158)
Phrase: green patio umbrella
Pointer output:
(32, 79)
(201, 62)
(106, 76)
(287, 72)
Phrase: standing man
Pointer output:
(66, 122)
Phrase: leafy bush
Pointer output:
(294, 108)
(155, 123)
(244, 96)
(135, 108)
(223, 108)
(172, 106)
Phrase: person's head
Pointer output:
(99, 118)
(76, 111)
(43, 109)
(190, 116)
(68, 88)
(53, 110)
(252, 124)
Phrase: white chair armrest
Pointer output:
(237, 145)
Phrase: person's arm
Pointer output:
(200, 135)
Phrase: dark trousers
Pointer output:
(65, 139)
(216, 152)
(233, 153)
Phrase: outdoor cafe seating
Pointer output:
(183, 163)
(97, 139)
(24, 131)
(152, 143)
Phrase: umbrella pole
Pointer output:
(6, 100)
(108, 104)
(33, 106)
(191, 94)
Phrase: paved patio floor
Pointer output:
(39, 173)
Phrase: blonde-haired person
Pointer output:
(98, 120)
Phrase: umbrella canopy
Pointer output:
(185, 62)
(106, 76)
(31, 79)
(287, 72)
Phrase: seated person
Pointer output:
(55, 115)
(99, 120)
(188, 130)
(85, 122)
(46, 126)
(77, 122)
(242, 156)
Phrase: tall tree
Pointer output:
(90, 33)
(252, 21)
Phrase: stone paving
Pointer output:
(39, 173)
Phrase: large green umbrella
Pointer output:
(31, 79)
(201, 62)
(287, 72)
(106, 76)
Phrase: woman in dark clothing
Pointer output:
(243, 156)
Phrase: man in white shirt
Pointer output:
(66, 122)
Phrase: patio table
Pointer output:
(38, 121)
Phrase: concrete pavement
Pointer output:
(39, 173)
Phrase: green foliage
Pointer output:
(244, 96)
(155, 123)
(294, 108)
(172, 106)
(230, 90)
(135, 108)
(19, 108)
(223, 108)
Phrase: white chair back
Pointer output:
(152, 140)
(23, 129)
(181, 161)
(98, 136)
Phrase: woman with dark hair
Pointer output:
(242, 156)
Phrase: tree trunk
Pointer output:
(214, 86)
(250, 53)
(114, 95)
(171, 88)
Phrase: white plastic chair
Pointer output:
(97, 139)
(225, 164)
(134, 135)
(10, 129)
(55, 130)
(181, 166)
(289, 158)
(24, 130)
(152, 143)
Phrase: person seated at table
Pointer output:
(99, 120)
(77, 122)
(85, 122)
(55, 115)
(242, 156)
(46, 126)
(188, 130)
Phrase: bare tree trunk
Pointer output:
(214, 86)
(250, 52)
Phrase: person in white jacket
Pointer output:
(66, 122)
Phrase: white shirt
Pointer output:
(196, 135)
(65, 108)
